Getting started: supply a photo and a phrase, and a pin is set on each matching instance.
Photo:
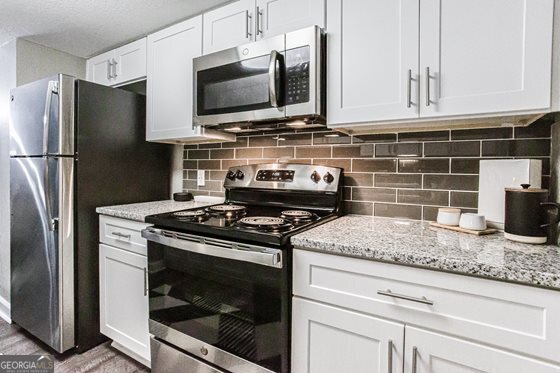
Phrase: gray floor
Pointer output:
(103, 358)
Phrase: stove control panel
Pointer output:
(276, 175)
(287, 176)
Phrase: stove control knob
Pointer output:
(230, 175)
(328, 178)
(315, 177)
(239, 175)
(204, 351)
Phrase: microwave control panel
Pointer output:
(297, 75)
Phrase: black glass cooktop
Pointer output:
(243, 222)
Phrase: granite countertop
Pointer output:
(139, 211)
(410, 242)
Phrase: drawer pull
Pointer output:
(121, 235)
(390, 357)
(146, 281)
(389, 293)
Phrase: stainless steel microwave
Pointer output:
(261, 85)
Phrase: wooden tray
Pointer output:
(463, 230)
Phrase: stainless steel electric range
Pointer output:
(219, 278)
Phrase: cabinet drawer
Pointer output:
(517, 317)
(122, 233)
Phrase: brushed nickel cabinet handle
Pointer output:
(390, 356)
(247, 25)
(115, 68)
(259, 25)
(389, 293)
(409, 90)
(414, 359)
(427, 86)
(109, 70)
(121, 235)
(145, 281)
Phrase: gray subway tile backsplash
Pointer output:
(404, 175)
(423, 197)
(398, 181)
(451, 182)
(398, 211)
(452, 149)
(399, 150)
(516, 148)
(423, 165)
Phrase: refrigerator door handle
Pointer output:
(52, 223)
(52, 89)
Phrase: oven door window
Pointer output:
(236, 306)
(238, 87)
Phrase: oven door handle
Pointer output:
(272, 89)
(212, 247)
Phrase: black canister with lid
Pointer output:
(526, 214)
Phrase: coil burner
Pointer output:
(264, 223)
(297, 217)
(192, 215)
(228, 211)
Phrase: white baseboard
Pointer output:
(5, 310)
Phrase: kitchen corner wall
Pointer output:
(405, 175)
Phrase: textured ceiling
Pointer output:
(86, 27)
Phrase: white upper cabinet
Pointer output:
(130, 62)
(372, 60)
(119, 66)
(276, 17)
(467, 59)
(100, 68)
(229, 26)
(429, 352)
(170, 80)
(328, 339)
(485, 56)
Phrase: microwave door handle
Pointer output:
(52, 89)
(272, 89)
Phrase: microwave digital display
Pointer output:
(275, 175)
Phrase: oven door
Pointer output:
(225, 303)
(240, 84)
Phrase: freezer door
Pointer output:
(42, 117)
(42, 250)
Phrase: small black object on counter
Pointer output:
(182, 197)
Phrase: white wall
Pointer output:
(21, 62)
(7, 81)
(36, 61)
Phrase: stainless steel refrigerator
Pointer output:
(74, 146)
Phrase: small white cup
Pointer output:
(473, 222)
(448, 216)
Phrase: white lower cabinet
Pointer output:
(429, 352)
(123, 296)
(124, 300)
(346, 310)
(328, 339)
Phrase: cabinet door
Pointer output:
(276, 17)
(130, 62)
(328, 339)
(436, 353)
(229, 26)
(485, 56)
(100, 69)
(372, 60)
(123, 299)
(170, 80)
